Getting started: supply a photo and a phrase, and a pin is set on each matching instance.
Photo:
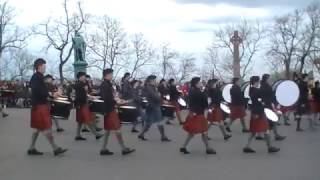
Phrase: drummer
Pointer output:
(315, 91)
(215, 114)
(83, 114)
(40, 113)
(111, 118)
(174, 96)
(153, 110)
(237, 106)
(196, 122)
(136, 101)
(48, 79)
(3, 101)
(268, 99)
(164, 92)
(258, 120)
(303, 107)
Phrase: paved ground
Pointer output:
(298, 160)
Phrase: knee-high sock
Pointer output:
(105, 140)
(50, 138)
(298, 119)
(145, 129)
(205, 140)
(222, 129)
(79, 126)
(56, 123)
(188, 139)
(267, 139)
(161, 130)
(243, 124)
(34, 138)
(92, 129)
(311, 126)
(178, 114)
(251, 136)
(120, 140)
(275, 130)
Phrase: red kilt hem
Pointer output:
(237, 112)
(258, 123)
(83, 114)
(287, 109)
(216, 115)
(112, 121)
(314, 106)
(40, 117)
(195, 124)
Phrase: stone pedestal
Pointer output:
(79, 66)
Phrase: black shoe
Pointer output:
(34, 152)
(245, 131)
(79, 138)
(169, 123)
(98, 129)
(278, 124)
(287, 124)
(181, 123)
(273, 149)
(106, 152)
(99, 136)
(134, 131)
(142, 138)
(85, 130)
(227, 137)
(279, 138)
(165, 139)
(209, 138)
(184, 151)
(59, 151)
(60, 130)
(211, 151)
(127, 151)
(5, 115)
(228, 129)
(259, 138)
(299, 130)
(248, 150)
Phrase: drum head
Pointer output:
(272, 116)
(226, 93)
(287, 93)
(182, 102)
(245, 89)
(98, 101)
(225, 108)
(168, 105)
(167, 97)
(61, 101)
(127, 107)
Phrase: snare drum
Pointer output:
(226, 92)
(128, 114)
(97, 106)
(182, 103)
(271, 115)
(60, 108)
(167, 110)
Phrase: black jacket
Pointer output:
(304, 93)
(198, 101)
(215, 94)
(106, 92)
(237, 97)
(39, 90)
(268, 96)
(81, 94)
(152, 95)
(174, 93)
(256, 98)
(126, 90)
(316, 94)
(163, 90)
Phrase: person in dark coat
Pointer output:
(174, 96)
(83, 114)
(125, 86)
(315, 101)
(258, 120)
(196, 122)
(40, 113)
(303, 106)
(215, 114)
(237, 105)
(269, 100)
(153, 110)
(111, 118)
(137, 99)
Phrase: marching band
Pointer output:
(148, 103)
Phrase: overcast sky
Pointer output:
(186, 24)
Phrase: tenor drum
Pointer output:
(225, 108)
(128, 114)
(60, 109)
(182, 103)
(287, 92)
(167, 110)
(97, 106)
(226, 92)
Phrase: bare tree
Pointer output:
(22, 64)
(166, 57)
(107, 44)
(11, 36)
(143, 53)
(251, 34)
(59, 33)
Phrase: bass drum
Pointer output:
(226, 92)
(287, 92)
(167, 110)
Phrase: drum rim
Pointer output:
(127, 107)
(61, 101)
(222, 89)
(97, 100)
(282, 81)
(224, 104)
(181, 99)
(271, 111)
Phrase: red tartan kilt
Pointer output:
(287, 109)
(112, 121)
(83, 114)
(314, 106)
(195, 124)
(258, 124)
(237, 112)
(216, 115)
(40, 117)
